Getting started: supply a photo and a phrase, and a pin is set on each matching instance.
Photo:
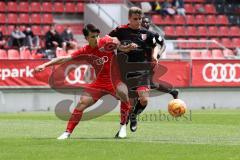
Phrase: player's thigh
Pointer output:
(86, 100)
(122, 91)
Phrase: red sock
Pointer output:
(124, 109)
(74, 120)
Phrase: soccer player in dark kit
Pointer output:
(143, 48)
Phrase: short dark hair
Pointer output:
(90, 28)
(134, 10)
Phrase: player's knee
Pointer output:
(85, 101)
(143, 101)
(123, 96)
(122, 92)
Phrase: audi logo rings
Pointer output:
(101, 61)
(83, 74)
(221, 72)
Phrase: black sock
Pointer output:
(138, 108)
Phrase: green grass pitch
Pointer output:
(205, 134)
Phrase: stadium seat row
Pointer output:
(41, 30)
(15, 54)
(227, 42)
(194, 9)
(27, 54)
(211, 54)
(57, 7)
(186, 1)
(203, 31)
(190, 20)
(26, 18)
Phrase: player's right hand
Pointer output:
(39, 68)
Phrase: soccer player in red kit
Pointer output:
(102, 85)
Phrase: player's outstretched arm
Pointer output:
(54, 61)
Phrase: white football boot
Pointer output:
(122, 133)
(65, 135)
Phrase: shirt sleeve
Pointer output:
(159, 39)
(77, 53)
(114, 33)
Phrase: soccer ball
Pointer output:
(177, 107)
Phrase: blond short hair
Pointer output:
(134, 10)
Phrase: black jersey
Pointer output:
(145, 40)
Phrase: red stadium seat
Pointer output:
(236, 42)
(228, 53)
(45, 29)
(23, 18)
(2, 18)
(168, 20)
(181, 44)
(2, 7)
(25, 54)
(210, 9)
(70, 7)
(169, 31)
(12, 18)
(191, 31)
(206, 55)
(80, 7)
(211, 19)
(217, 54)
(194, 1)
(47, 7)
(203, 43)
(190, 19)
(195, 55)
(9, 30)
(180, 31)
(173, 56)
(157, 19)
(226, 42)
(179, 20)
(3, 54)
(59, 28)
(35, 7)
(222, 19)
(189, 8)
(47, 19)
(13, 54)
(60, 53)
(36, 18)
(200, 19)
(12, 6)
(198, 7)
(234, 31)
(192, 44)
(23, 7)
(37, 30)
(3, 29)
(212, 44)
(58, 7)
(202, 31)
(223, 31)
(212, 31)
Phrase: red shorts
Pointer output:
(99, 89)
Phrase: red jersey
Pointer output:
(103, 79)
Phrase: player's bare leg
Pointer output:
(142, 101)
(122, 93)
(85, 101)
